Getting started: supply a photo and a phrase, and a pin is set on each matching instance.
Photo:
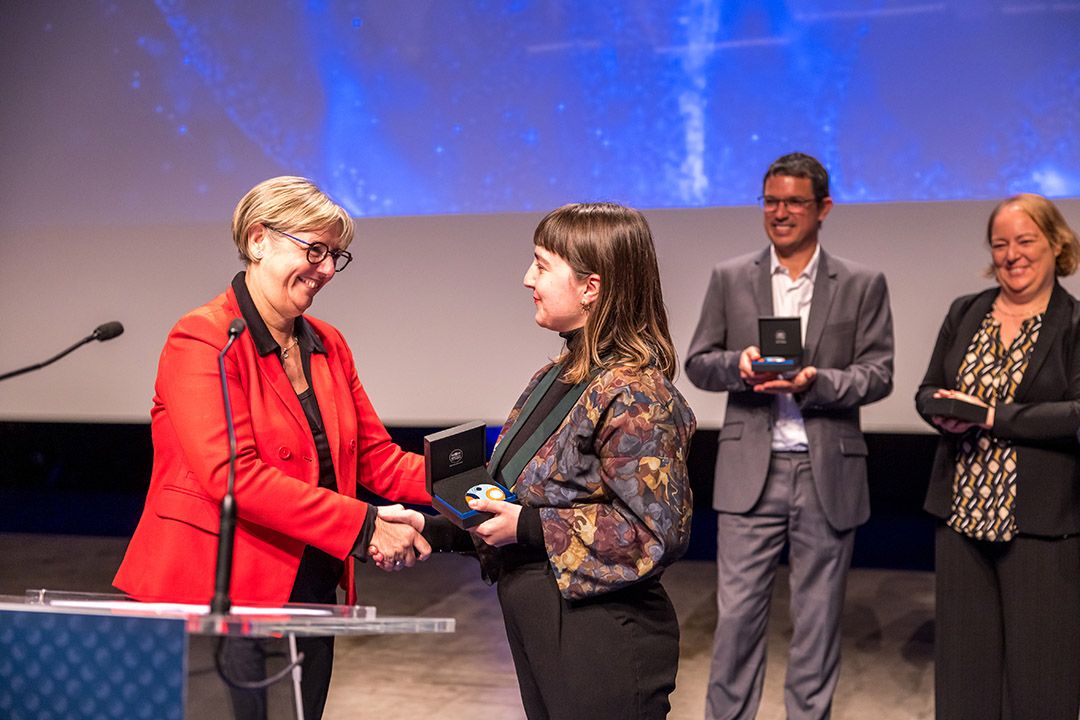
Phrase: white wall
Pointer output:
(433, 306)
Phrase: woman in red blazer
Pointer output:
(306, 435)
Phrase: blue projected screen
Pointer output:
(480, 107)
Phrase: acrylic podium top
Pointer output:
(248, 621)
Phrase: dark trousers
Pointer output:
(1008, 628)
(245, 658)
(613, 656)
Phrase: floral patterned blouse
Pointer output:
(611, 483)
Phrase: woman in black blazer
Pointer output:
(1006, 486)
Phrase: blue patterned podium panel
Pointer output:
(63, 666)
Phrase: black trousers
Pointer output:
(1008, 628)
(245, 658)
(613, 656)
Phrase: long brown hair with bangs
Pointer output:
(627, 324)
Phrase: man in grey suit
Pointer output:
(791, 464)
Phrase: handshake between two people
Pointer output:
(397, 542)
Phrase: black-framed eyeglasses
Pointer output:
(317, 251)
(794, 204)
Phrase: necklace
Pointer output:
(1025, 314)
(286, 348)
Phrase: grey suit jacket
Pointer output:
(848, 338)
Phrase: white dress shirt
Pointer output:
(791, 297)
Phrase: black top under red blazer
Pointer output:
(1041, 422)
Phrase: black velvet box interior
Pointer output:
(780, 342)
(455, 465)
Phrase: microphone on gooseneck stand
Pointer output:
(103, 332)
(220, 604)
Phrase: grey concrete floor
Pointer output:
(887, 668)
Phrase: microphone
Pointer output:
(104, 332)
(107, 331)
(221, 603)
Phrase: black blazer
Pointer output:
(1042, 421)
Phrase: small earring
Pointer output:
(585, 307)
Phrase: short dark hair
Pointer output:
(803, 166)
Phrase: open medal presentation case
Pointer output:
(780, 341)
(455, 465)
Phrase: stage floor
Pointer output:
(886, 672)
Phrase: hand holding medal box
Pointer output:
(780, 341)
(457, 473)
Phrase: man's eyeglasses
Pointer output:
(794, 204)
(317, 251)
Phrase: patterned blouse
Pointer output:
(611, 483)
(984, 486)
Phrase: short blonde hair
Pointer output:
(291, 204)
(1051, 222)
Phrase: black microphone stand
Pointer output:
(103, 332)
(220, 604)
